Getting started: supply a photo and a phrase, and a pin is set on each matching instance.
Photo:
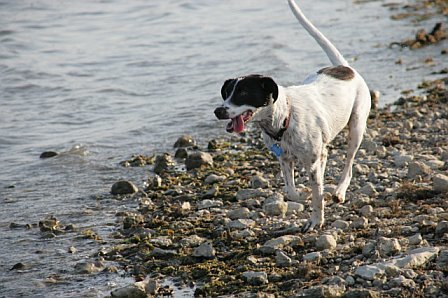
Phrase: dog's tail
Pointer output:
(333, 54)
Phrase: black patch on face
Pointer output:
(338, 72)
(253, 90)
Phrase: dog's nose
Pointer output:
(221, 113)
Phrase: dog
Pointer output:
(298, 122)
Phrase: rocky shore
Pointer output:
(214, 218)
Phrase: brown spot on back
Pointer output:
(339, 72)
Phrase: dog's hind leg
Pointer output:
(287, 167)
(357, 127)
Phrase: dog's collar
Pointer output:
(278, 136)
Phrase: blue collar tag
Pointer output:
(277, 150)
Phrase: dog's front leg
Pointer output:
(287, 167)
(318, 202)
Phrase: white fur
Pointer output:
(320, 108)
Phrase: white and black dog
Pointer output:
(298, 122)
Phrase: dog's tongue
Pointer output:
(238, 123)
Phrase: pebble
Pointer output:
(191, 241)
(270, 246)
(204, 250)
(312, 256)
(369, 190)
(163, 163)
(255, 278)
(440, 183)
(259, 181)
(123, 187)
(442, 227)
(240, 213)
(207, 204)
(294, 207)
(88, 268)
(341, 224)
(366, 210)
(282, 260)
(213, 178)
(163, 253)
(417, 168)
(388, 246)
(184, 141)
(369, 272)
(325, 242)
(198, 159)
(322, 291)
(415, 239)
(241, 224)
(246, 194)
(48, 154)
(275, 206)
(360, 223)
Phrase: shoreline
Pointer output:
(225, 228)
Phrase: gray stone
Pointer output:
(415, 239)
(191, 241)
(255, 278)
(198, 159)
(417, 258)
(369, 272)
(361, 169)
(184, 141)
(240, 213)
(440, 183)
(294, 207)
(88, 268)
(322, 291)
(130, 291)
(402, 159)
(270, 246)
(213, 178)
(204, 250)
(442, 227)
(368, 249)
(246, 194)
(241, 224)
(312, 256)
(163, 253)
(442, 260)
(417, 168)
(369, 189)
(181, 153)
(360, 223)
(162, 163)
(282, 260)
(275, 207)
(388, 246)
(325, 242)
(259, 181)
(123, 187)
(349, 280)
(206, 204)
(340, 224)
(401, 281)
(366, 210)
(361, 293)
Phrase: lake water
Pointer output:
(102, 80)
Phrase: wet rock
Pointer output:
(326, 242)
(213, 178)
(132, 221)
(136, 290)
(123, 187)
(88, 268)
(163, 253)
(184, 141)
(181, 153)
(417, 168)
(259, 181)
(440, 183)
(282, 260)
(163, 163)
(48, 154)
(369, 272)
(198, 159)
(275, 206)
(72, 250)
(204, 250)
(388, 246)
(19, 266)
(255, 278)
(207, 204)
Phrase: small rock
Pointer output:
(322, 291)
(388, 246)
(349, 280)
(181, 153)
(246, 194)
(340, 224)
(135, 290)
(48, 154)
(123, 187)
(417, 258)
(255, 278)
(239, 213)
(184, 141)
(191, 241)
(442, 227)
(312, 256)
(198, 159)
(207, 204)
(417, 168)
(162, 163)
(369, 272)
(361, 169)
(361, 293)
(402, 159)
(213, 178)
(369, 190)
(259, 181)
(163, 253)
(282, 260)
(275, 206)
(360, 223)
(204, 250)
(241, 224)
(442, 260)
(294, 207)
(270, 246)
(440, 183)
(368, 249)
(72, 250)
(415, 239)
(88, 268)
(366, 210)
(326, 242)
(402, 281)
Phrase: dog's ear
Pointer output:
(227, 88)
(270, 86)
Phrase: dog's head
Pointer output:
(243, 98)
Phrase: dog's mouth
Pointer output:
(237, 123)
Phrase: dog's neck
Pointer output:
(271, 118)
